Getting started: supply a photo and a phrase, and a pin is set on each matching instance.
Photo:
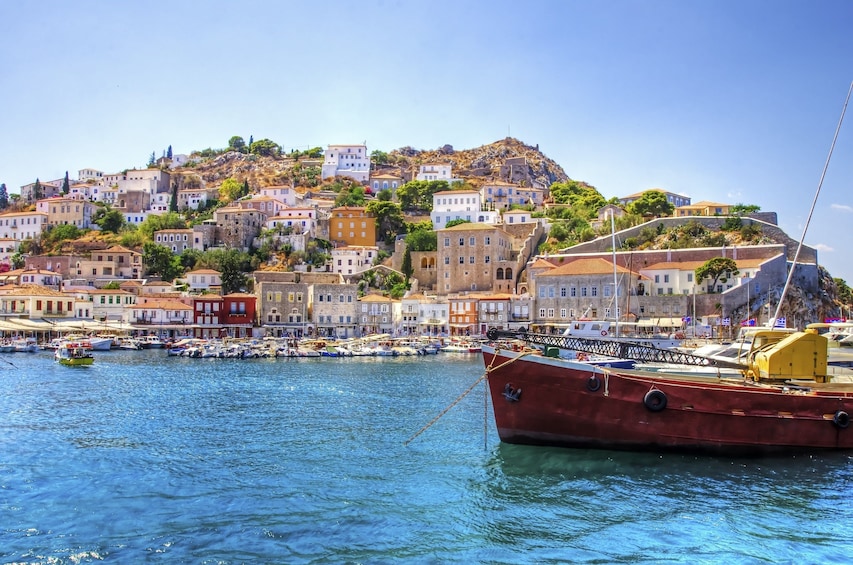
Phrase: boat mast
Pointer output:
(615, 280)
(772, 321)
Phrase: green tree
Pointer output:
(152, 159)
(17, 260)
(379, 157)
(245, 190)
(157, 222)
(406, 267)
(59, 233)
(237, 144)
(109, 219)
(230, 190)
(37, 191)
(389, 219)
(385, 195)
(353, 196)
(417, 195)
(717, 269)
(845, 294)
(66, 184)
(159, 260)
(456, 222)
(652, 203)
(264, 147)
(4, 197)
(743, 209)
(233, 276)
(422, 240)
(173, 201)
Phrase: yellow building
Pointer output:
(350, 225)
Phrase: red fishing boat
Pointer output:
(784, 400)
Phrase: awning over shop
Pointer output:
(660, 323)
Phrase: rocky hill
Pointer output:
(508, 159)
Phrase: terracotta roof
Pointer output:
(204, 272)
(594, 266)
(693, 265)
(471, 226)
(162, 305)
(542, 264)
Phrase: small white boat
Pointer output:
(72, 355)
(151, 342)
(25, 345)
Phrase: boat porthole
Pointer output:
(593, 383)
(841, 419)
(655, 400)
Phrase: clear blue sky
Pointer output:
(729, 101)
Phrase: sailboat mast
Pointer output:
(615, 279)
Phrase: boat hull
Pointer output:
(572, 404)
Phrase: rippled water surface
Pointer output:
(148, 458)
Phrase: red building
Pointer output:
(207, 316)
(238, 314)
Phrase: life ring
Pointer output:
(581, 356)
(593, 383)
(603, 333)
(841, 419)
(655, 400)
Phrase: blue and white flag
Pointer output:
(781, 322)
(727, 321)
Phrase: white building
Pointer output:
(22, 225)
(283, 194)
(460, 205)
(302, 220)
(434, 172)
(512, 217)
(353, 259)
(84, 175)
(346, 161)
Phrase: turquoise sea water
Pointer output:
(144, 458)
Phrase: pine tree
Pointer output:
(406, 267)
(152, 159)
(245, 191)
(36, 194)
(4, 197)
(251, 140)
(169, 152)
(173, 203)
(66, 185)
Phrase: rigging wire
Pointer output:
(772, 322)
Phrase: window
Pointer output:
(471, 241)
(666, 278)
(562, 292)
(447, 260)
(471, 259)
(583, 291)
(657, 278)
(573, 291)
(689, 277)
(550, 312)
(541, 312)
(562, 312)
(606, 291)
(461, 260)
(461, 241)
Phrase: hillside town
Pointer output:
(489, 263)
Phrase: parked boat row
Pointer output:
(378, 346)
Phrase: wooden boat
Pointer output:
(73, 355)
(784, 400)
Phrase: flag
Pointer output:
(749, 322)
(727, 321)
(781, 323)
(686, 319)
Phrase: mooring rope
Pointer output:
(485, 375)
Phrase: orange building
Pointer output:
(350, 225)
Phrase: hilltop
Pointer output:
(509, 160)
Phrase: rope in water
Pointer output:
(485, 375)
